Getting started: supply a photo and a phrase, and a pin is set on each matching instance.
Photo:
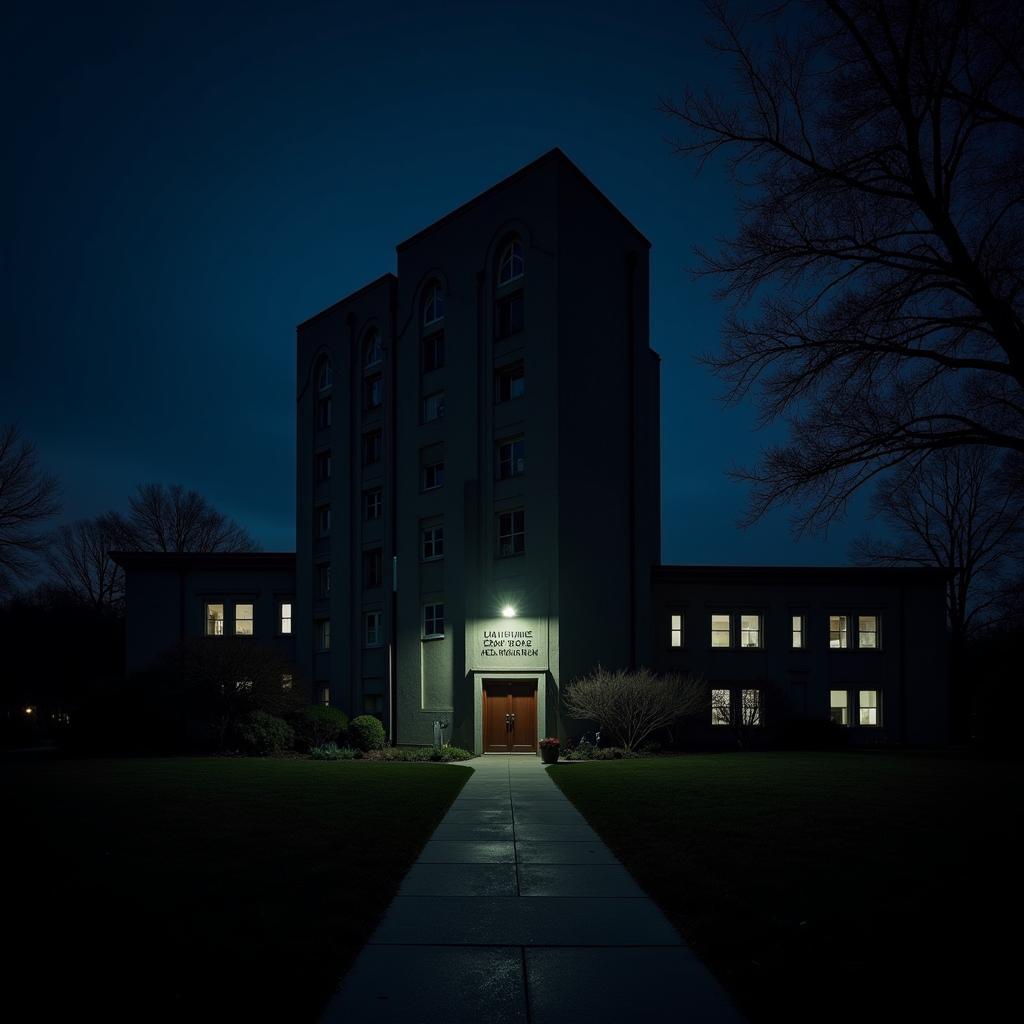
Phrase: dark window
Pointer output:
(325, 375)
(511, 264)
(373, 504)
(372, 354)
(323, 579)
(508, 316)
(373, 629)
(323, 520)
(511, 458)
(432, 349)
(433, 407)
(433, 542)
(373, 704)
(373, 568)
(433, 620)
(373, 392)
(371, 447)
(433, 308)
(323, 413)
(511, 533)
(509, 383)
(323, 465)
(433, 476)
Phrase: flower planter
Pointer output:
(549, 755)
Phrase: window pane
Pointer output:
(215, 620)
(867, 630)
(798, 631)
(750, 630)
(839, 707)
(720, 710)
(751, 706)
(720, 633)
(676, 630)
(837, 631)
(286, 617)
(243, 620)
(868, 707)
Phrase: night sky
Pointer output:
(188, 187)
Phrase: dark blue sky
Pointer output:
(188, 187)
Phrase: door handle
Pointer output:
(508, 722)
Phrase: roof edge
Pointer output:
(348, 298)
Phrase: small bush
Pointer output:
(420, 754)
(366, 733)
(582, 751)
(317, 725)
(332, 752)
(260, 733)
(612, 753)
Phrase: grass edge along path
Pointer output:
(824, 887)
(202, 888)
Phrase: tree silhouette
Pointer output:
(875, 279)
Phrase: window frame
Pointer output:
(324, 375)
(505, 373)
(282, 618)
(323, 520)
(877, 631)
(376, 436)
(436, 530)
(794, 629)
(673, 630)
(373, 392)
(323, 575)
(207, 605)
(323, 465)
(376, 616)
(372, 347)
(511, 442)
(843, 631)
(324, 412)
(373, 558)
(876, 708)
(506, 323)
(435, 467)
(322, 632)
(434, 618)
(718, 718)
(434, 344)
(438, 406)
(712, 631)
(844, 707)
(511, 252)
(760, 631)
(512, 533)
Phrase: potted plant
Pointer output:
(549, 748)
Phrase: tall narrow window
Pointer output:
(750, 706)
(373, 568)
(373, 629)
(243, 620)
(323, 465)
(839, 706)
(433, 475)
(372, 353)
(511, 533)
(867, 707)
(323, 580)
(750, 630)
(373, 392)
(323, 634)
(721, 633)
(214, 620)
(286, 617)
(432, 352)
(676, 630)
(373, 504)
(323, 520)
(433, 406)
(798, 631)
(433, 307)
(324, 375)
(323, 413)
(837, 631)
(721, 711)
(324, 694)
(433, 620)
(433, 542)
(509, 383)
(511, 458)
(508, 316)
(511, 264)
(371, 447)
(867, 631)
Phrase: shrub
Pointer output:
(583, 751)
(366, 733)
(317, 725)
(261, 733)
(332, 752)
(420, 754)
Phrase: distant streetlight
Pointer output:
(508, 612)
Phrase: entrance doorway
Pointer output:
(510, 716)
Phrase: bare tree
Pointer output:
(960, 510)
(78, 556)
(876, 275)
(632, 704)
(27, 497)
(177, 519)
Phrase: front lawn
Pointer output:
(203, 888)
(826, 887)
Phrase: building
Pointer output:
(478, 504)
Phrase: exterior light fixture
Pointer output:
(508, 612)
(28, 711)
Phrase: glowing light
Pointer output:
(508, 612)
(28, 711)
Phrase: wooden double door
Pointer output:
(510, 716)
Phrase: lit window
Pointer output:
(433, 406)
(244, 685)
(676, 631)
(373, 704)
(433, 542)
(432, 352)
(867, 631)
(324, 694)
(839, 707)
(372, 354)
(433, 308)
(798, 631)
(323, 413)
(323, 579)
(371, 447)
(373, 504)
(323, 465)
(373, 568)
(721, 633)
(324, 375)
(867, 707)
(511, 458)
(373, 392)
(511, 533)
(750, 630)
(243, 620)
(509, 383)
(323, 520)
(837, 631)
(508, 316)
(511, 265)
(433, 476)
(750, 706)
(373, 629)
(286, 617)
(323, 634)
(433, 620)
(215, 620)
(721, 711)
(287, 680)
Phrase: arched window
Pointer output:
(324, 374)
(511, 264)
(433, 308)
(372, 354)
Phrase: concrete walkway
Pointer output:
(517, 913)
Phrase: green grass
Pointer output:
(205, 888)
(826, 887)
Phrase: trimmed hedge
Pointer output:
(317, 725)
(261, 733)
(366, 733)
